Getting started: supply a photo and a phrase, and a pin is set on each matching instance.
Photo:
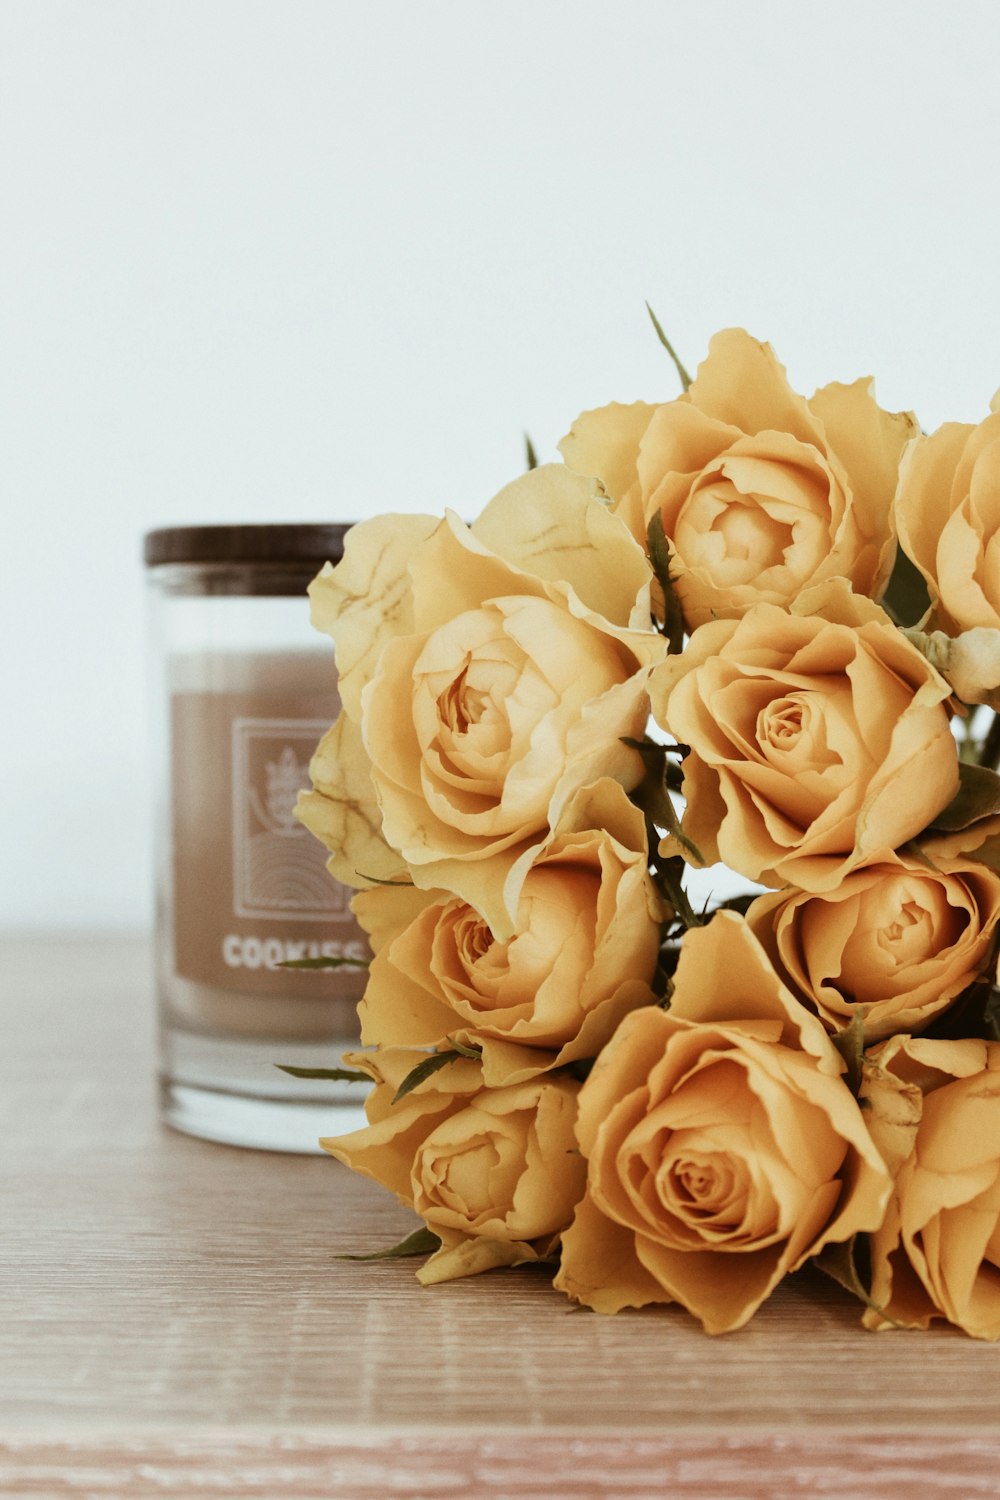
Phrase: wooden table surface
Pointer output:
(175, 1322)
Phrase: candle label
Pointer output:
(251, 888)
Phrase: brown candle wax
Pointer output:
(249, 888)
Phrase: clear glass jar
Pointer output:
(245, 689)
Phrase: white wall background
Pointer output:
(311, 259)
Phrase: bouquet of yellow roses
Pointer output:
(696, 641)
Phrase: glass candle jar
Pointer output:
(245, 691)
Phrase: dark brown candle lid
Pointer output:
(309, 544)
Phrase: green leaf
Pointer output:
(645, 747)
(684, 377)
(978, 796)
(906, 599)
(672, 774)
(652, 796)
(375, 880)
(850, 1043)
(660, 560)
(653, 747)
(530, 456)
(425, 1069)
(324, 963)
(669, 874)
(335, 1075)
(463, 1050)
(740, 904)
(840, 1263)
(422, 1241)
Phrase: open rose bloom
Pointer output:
(894, 943)
(685, 645)
(948, 514)
(760, 492)
(583, 951)
(933, 1108)
(723, 1147)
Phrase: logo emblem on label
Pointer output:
(279, 868)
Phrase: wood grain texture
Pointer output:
(443, 1465)
(175, 1322)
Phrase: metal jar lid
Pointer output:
(308, 545)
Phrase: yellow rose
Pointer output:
(898, 941)
(934, 1112)
(723, 1147)
(819, 738)
(948, 514)
(584, 950)
(493, 1172)
(761, 493)
(491, 672)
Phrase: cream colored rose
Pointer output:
(819, 738)
(724, 1148)
(491, 672)
(897, 942)
(948, 514)
(761, 493)
(934, 1112)
(583, 952)
(493, 1172)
